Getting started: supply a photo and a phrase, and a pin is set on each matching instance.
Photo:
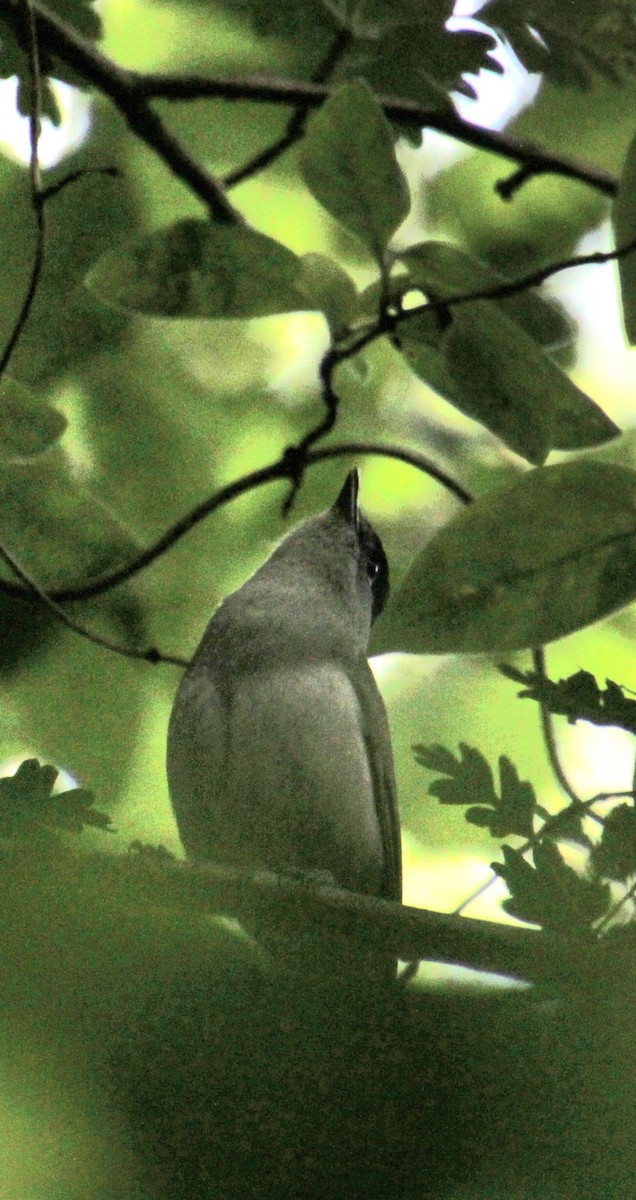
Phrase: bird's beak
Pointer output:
(347, 502)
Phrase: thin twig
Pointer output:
(296, 125)
(267, 90)
(54, 189)
(130, 91)
(549, 736)
(37, 201)
(120, 86)
(151, 655)
(280, 469)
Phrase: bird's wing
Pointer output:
(379, 750)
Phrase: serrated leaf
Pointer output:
(624, 221)
(348, 163)
(27, 425)
(614, 856)
(79, 16)
(578, 697)
(551, 893)
(575, 42)
(199, 269)
(435, 758)
(329, 289)
(522, 566)
(25, 799)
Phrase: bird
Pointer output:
(279, 753)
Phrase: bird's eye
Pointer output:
(373, 569)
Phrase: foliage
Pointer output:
(253, 266)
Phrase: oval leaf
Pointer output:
(348, 163)
(329, 290)
(624, 221)
(522, 566)
(443, 270)
(198, 269)
(27, 425)
(62, 531)
(504, 380)
(514, 389)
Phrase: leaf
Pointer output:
(614, 857)
(575, 43)
(441, 269)
(26, 799)
(329, 289)
(348, 163)
(503, 379)
(578, 697)
(28, 426)
(198, 269)
(551, 893)
(624, 221)
(515, 390)
(470, 782)
(58, 528)
(522, 566)
(79, 16)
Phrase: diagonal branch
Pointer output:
(283, 468)
(119, 85)
(267, 90)
(131, 92)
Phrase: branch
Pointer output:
(119, 85)
(409, 933)
(151, 655)
(296, 124)
(37, 197)
(267, 90)
(130, 92)
(281, 469)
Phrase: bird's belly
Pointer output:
(290, 787)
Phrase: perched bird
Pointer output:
(279, 753)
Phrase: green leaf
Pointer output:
(348, 163)
(503, 379)
(551, 893)
(329, 289)
(441, 269)
(26, 799)
(624, 221)
(58, 528)
(614, 857)
(470, 782)
(522, 566)
(507, 382)
(27, 425)
(578, 697)
(197, 269)
(79, 16)
(577, 41)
